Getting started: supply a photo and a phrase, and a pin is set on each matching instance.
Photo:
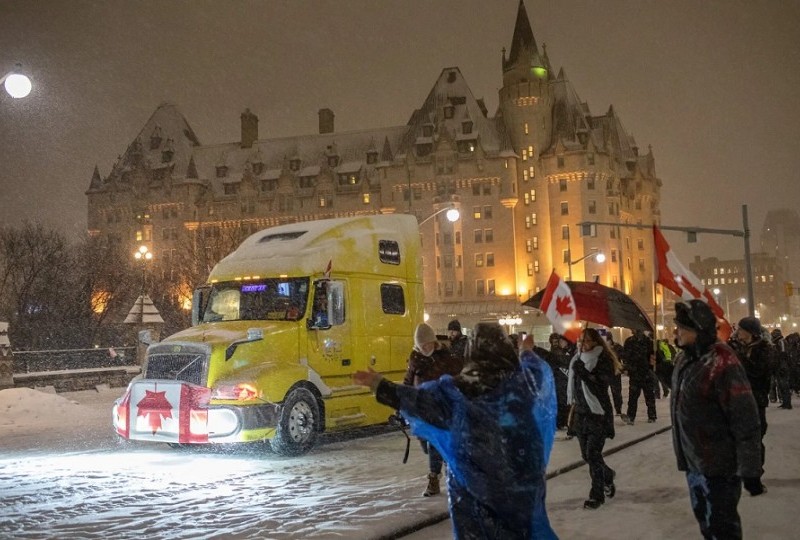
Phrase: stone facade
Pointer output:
(523, 179)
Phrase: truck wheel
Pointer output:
(298, 424)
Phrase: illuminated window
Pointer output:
(536, 266)
(139, 236)
(533, 219)
(527, 198)
(530, 269)
(530, 151)
(527, 222)
(524, 155)
(476, 212)
(528, 245)
(322, 202)
(533, 195)
(365, 198)
(526, 128)
(535, 242)
(524, 175)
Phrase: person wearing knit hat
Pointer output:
(715, 422)
(755, 355)
(458, 341)
(428, 361)
(494, 423)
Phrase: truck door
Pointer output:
(329, 331)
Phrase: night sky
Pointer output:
(714, 86)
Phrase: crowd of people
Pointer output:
(487, 408)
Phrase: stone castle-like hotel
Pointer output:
(523, 179)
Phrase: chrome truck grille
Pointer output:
(178, 362)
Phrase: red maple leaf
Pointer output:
(564, 305)
(154, 406)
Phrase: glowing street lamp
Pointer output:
(143, 255)
(452, 214)
(17, 84)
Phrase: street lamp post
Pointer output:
(143, 255)
(742, 300)
(16, 84)
(452, 214)
(594, 252)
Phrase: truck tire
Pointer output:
(298, 425)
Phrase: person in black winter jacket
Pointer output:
(716, 431)
(755, 356)
(558, 358)
(590, 374)
(782, 367)
(428, 361)
(638, 352)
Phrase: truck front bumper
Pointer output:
(179, 412)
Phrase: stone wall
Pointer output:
(74, 380)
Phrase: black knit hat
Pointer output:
(454, 325)
(696, 315)
(751, 325)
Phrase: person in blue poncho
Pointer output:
(494, 424)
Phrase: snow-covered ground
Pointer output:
(63, 474)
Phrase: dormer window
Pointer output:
(372, 157)
(155, 138)
(333, 161)
(222, 171)
(258, 168)
(427, 130)
(466, 127)
(167, 152)
(349, 179)
(449, 111)
(294, 165)
(424, 149)
(466, 146)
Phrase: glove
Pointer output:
(754, 486)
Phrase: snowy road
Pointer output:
(63, 474)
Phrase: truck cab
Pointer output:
(278, 329)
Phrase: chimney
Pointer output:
(249, 129)
(325, 121)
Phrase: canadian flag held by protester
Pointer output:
(673, 275)
(558, 305)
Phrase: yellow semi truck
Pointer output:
(278, 329)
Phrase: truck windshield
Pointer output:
(261, 300)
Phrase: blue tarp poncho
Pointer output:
(496, 447)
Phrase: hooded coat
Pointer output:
(716, 429)
(494, 424)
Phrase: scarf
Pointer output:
(590, 359)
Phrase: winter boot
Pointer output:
(433, 485)
(592, 504)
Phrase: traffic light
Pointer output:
(789, 288)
